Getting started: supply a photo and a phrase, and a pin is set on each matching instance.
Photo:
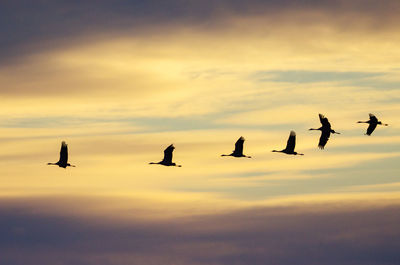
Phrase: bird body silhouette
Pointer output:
(238, 152)
(63, 162)
(373, 122)
(326, 131)
(291, 143)
(167, 161)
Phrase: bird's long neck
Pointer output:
(225, 155)
(384, 124)
(363, 122)
(313, 129)
(333, 131)
(276, 151)
(52, 164)
(153, 163)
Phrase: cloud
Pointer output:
(328, 233)
(29, 27)
(120, 81)
(159, 60)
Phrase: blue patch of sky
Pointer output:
(365, 147)
(310, 76)
(361, 79)
(199, 123)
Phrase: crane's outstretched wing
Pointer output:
(168, 154)
(63, 153)
(373, 118)
(324, 121)
(323, 139)
(371, 127)
(291, 142)
(239, 146)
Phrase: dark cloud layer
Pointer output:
(29, 25)
(296, 235)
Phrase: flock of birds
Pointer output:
(325, 129)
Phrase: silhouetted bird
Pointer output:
(326, 131)
(291, 143)
(167, 161)
(373, 122)
(63, 162)
(238, 152)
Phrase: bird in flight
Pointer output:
(167, 161)
(326, 131)
(63, 162)
(238, 152)
(373, 122)
(291, 143)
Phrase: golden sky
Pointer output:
(121, 81)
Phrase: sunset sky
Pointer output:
(121, 80)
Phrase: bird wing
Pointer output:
(373, 118)
(371, 128)
(63, 153)
(324, 139)
(168, 154)
(239, 146)
(291, 142)
(324, 121)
